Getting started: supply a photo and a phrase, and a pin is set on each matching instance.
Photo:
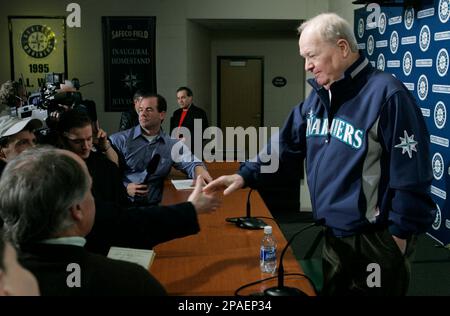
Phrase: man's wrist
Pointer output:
(106, 147)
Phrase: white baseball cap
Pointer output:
(10, 125)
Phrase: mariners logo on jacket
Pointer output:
(340, 130)
(407, 144)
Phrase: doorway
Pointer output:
(240, 96)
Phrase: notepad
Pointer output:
(141, 257)
(183, 184)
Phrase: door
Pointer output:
(240, 97)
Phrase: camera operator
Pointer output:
(12, 95)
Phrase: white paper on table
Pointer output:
(142, 257)
(183, 184)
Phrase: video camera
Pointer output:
(55, 97)
(52, 98)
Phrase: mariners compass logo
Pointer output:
(444, 10)
(440, 114)
(361, 28)
(438, 166)
(382, 23)
(381, 62)
(424, 38)
(407, 63)
(407, 144)
(370, 45)
(393, 41)
(442, 62)
(438, 219)
(422, 87)
(409, 18)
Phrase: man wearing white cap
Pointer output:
(16, 135)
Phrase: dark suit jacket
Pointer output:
(194, 112)
(99, 275)
(139, 227)
(106, 179)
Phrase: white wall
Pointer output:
(199, 66)
(280, 53)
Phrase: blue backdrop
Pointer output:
(413, 45)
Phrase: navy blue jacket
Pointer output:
(367, 154)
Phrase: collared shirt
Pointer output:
(136, 151)
(71, 241)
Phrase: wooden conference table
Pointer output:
(221, 257)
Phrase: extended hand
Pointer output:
(230, 183)
(204, 202)
(201, 171)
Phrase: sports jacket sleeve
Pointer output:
(405, 141)
(285, 147)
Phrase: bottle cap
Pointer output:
(267, 230)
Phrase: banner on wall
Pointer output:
(413, 44)
(129, 59)
(37, 47)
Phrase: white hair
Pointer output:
(331, 28)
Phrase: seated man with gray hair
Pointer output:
(48, 209)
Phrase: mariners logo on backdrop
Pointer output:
(409, 18)
(424, 38)
(381, 63)
(440, 114)
(370, 45)
(442, 62)
(438, 166)
(407, 63)
(407, 144)
(393, 42)
(422, 87)
(382, 23)
(437, 220)
(361, 28)
(340, 130)
(444, 10)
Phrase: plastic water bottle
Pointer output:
(268, 252)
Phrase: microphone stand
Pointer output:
(248, 222)
(280, 289)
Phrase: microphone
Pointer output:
(151, 167)
(247, 222)
(280, 289)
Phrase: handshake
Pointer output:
(202, 201)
